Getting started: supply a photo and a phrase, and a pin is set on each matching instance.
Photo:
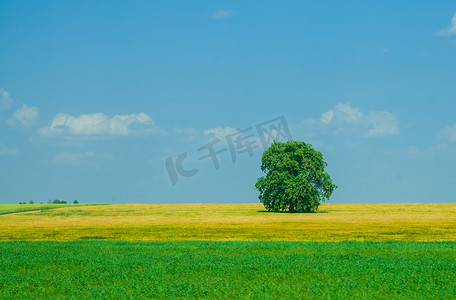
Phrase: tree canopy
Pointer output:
(296, 180)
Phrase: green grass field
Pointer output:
(229, 251)
(116, 269)
(19, 208)
(180, 222)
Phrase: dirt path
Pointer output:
(21, 212)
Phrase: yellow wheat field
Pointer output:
(165, 222)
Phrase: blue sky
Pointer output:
(96, 97)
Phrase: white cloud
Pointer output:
(327, 117)
(222, 14)
(445, 147)
(344, 118)
(220, 132)
(99, 124)
(342, 113)
(25, 116)
(382, 123)
(450, 30)
(5, 100)
(5, 150)
(448, 133)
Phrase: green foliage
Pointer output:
(296, 180)
(227, 270)
(57, 201)
(75, 202)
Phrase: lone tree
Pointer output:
(296, 180)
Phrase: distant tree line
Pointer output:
(55, 201)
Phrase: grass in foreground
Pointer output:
(116, 269)
(174, 222)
